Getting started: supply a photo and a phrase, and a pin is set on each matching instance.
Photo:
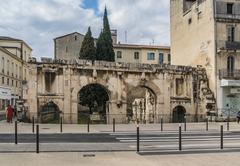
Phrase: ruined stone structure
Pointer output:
(135, 91)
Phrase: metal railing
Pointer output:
(229, 74)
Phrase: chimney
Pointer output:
(114, 36)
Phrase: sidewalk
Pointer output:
(118, 159)
(76, 128)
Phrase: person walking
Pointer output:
(238, 117)
(9, 114)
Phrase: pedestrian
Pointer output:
(9, 114)
(238, 117)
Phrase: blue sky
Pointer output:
(91, 4)
(38, 22)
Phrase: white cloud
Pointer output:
(144, 20)
(39, 21)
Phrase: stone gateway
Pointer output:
(134, 92)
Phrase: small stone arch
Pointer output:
(49, 113)
(178, 115)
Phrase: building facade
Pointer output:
(206, 33)
(68, 47)
(145, 54)
(14, 54)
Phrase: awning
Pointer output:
(230, 83)
(5, 93)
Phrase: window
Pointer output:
(75, 37)
(16, 83)
(7, 81)
(12, 83)
(3, 64)
(231, 33)
(151, 56)
(16, 71)
(161, 58)
(25, 74)
(12, 69)
(229, 8)
(119, 54)
(189, 20)
(169, 58)
(20, 70)
(3, 80)
(66, 49)
(136, 55)
(8, 67)
(230, 65)
(179, 86)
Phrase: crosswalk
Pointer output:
(170, 140)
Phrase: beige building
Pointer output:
(68, 47)
(207, 33)
(14, 54)
(146, 54)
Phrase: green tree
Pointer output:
(104, 44)
(88, 50)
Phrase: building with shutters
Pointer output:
(14, 54)
(207, 33)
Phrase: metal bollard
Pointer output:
(113, 124)
(16, 133)
(37, 139)
(161, 124)
(221, 134)
(180, 138)
(206, 124)
(137, 138)
(61, 125)
(33, 124)
(88, 125)
(228, 123)
(185, 123)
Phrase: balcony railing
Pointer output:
(227, 17)
(228, 45)
(226, 74)
(233, 45)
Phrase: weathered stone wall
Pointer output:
(119, 80)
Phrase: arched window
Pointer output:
(230, 65)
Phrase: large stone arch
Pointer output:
(133, 92)
(84, 112)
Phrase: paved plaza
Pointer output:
(118, 159)
(102, 146)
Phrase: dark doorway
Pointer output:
(178, 114)
(50, 113)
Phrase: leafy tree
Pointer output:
(88, 50)
(104, 44)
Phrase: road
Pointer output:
(150, 141)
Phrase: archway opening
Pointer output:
(178, 114)
(92, 104)
(141, 105)
(50, 113)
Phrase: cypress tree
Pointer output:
(88, 50)
(104, 44)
